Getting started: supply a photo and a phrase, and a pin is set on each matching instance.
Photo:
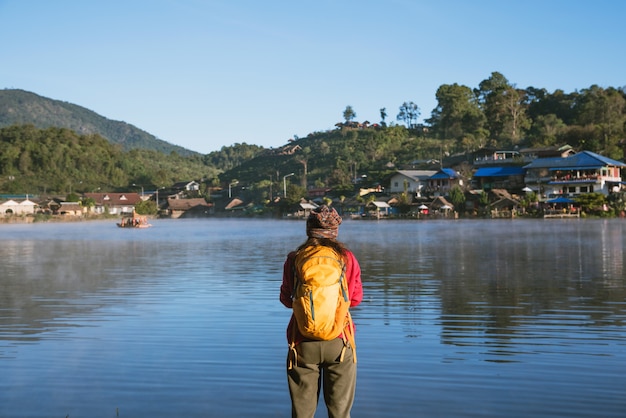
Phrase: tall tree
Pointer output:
(457, 113)
(505, 108)
(604, 110)
(516, 121)
(409, 112)
(546, 130)
(488, 93)
(349, 114)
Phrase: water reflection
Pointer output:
(183, 318)
(504, 287)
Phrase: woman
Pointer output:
(319, 364)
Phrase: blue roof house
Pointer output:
(507, 177)
(411, 181)
(441, 182)
(585, 172)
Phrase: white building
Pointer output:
(410, 181)
(11, 207)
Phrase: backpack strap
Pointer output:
(292, 358)
(348, 337)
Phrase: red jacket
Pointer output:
(353, 276)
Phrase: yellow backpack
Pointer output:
(320, 299)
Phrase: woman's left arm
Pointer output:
(355, 287)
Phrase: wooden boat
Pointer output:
(134, 221)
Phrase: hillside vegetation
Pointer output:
(59, 161)
(18, 107)
(71, 146)
(338, 159)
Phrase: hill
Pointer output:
(339, 159)
(19, 107)
(60, 161)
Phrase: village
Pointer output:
(508, 183)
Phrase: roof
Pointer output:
(505, 202)
(235, 203)
(417, 174)
(185, 204)
(499, 171)
(445, 173)
(439, 202)
(561, 199)
(115, 199)
(70, 206)
(582, 160)
(379, 204)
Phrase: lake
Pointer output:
(461, 318)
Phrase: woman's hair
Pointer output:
(339, 247)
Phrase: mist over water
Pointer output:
(469, 318)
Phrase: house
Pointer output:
(444, 180)
(440, 203)
(531, 154)
(410, 181)
(492, 156)
(303, 209)
(189, 186)
(70, 209)
(12, 207)
(381, 208)
(506, 177)
(49, 206)
(503, 204)
(235, 204)
(113, 203)
(585, 172)
(197, 207)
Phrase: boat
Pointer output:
(134, 221)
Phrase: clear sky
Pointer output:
(204, 74)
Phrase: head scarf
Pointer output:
(323, 222)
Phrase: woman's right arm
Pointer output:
(286, 288)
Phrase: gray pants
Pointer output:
(318, 365)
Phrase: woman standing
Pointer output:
(329, 365)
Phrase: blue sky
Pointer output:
(204, 74)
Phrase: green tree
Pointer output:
(527, 201)
(349, 114)
(489, 92)
(295, 194)
(409, 112)
(484, 199)
(604, 110)
(592, 202)
(457, 113)
(516, 121)
(504, 107)
(146, 207)
(457, 198)
(546, 130)
(88, 202)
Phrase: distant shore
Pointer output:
(29, 219)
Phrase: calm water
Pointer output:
(460, 318)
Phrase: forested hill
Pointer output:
(19, 107)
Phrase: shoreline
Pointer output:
(30, 219)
